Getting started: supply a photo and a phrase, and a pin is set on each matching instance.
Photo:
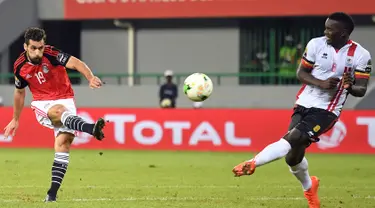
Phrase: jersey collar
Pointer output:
(348, 43)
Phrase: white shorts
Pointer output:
(41, 109)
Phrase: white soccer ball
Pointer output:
(166, 103)
(198, 87)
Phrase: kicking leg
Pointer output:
(272, 152)
(60, 163)
(61, 116)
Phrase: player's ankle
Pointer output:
(52, 193)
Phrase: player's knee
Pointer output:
(54, 114)
(63, 142)
(297, 138)
(295, 156)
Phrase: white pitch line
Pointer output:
(260, 198)
(184, 187)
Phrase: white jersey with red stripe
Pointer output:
(326, 62)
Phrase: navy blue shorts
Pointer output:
(313, 121)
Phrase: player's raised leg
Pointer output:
(270, 153)
(293, 139)
(63, 141)
(61, 116)
(275, 150)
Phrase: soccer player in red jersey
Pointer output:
(43, 69)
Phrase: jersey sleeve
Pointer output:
(56, 56)
(19, 81)
(364, 66)
(308, 58)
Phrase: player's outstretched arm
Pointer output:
(19, 101)
(76, 64)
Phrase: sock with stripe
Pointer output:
(76, 123)
(272, 152)
(302, 174)
(59, 167)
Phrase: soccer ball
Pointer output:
(166, 103)
(198, 87)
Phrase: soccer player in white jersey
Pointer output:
(332, 67)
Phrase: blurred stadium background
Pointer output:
(249, 48)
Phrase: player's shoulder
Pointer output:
(318, 41)
(360, 50)
(50, 50)
(49, 47)
(20, 61)
(317, 44)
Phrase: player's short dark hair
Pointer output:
(343, 18)
(35, 34)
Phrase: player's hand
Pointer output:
(329, 83)
(348, 80)
(95, 82)
(11, 128)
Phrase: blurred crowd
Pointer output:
(287, 58)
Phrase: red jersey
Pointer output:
(47, 80)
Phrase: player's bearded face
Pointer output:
(35, 51)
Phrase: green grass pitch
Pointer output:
(162, 179)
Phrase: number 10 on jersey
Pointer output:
(40, 77)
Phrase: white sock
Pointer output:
(272, 152)
(302, 174)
